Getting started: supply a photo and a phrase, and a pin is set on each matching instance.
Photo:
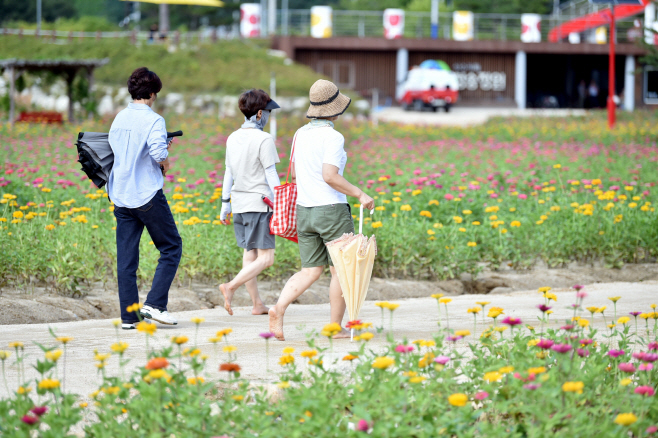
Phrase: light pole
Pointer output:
(434, 16)
(38, 16)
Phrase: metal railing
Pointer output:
(505, 27)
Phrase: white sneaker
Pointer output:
(161, 316)
(129, 326)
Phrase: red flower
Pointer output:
(352, 324)
(511, 321)
(29, 419)
(39, 410)
(156, 363)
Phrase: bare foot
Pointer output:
(276, 324)
(228, 296)
(261, 309)
(342, 335)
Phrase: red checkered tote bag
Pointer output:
(284, 220)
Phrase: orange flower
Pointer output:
(230, 367)
(157, 363)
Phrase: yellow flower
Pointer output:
(483, 303)
(146, 327)
(330, 330)
(288, 350)
(576, 387)
(437, 296)
(462, 333)
(53, 355)
(392, 306)
(472, 244)
(551, 296)
(434, 202)
(557, 166)
(286, 359)
(350, 357)
(474, 310)
(492, 376)
(284, 384)
(382, 304)
(4, 354)
(626, 419)
(417, 379)
(457, 219)
(365, 336)
(515, 224)
(445, 300)
(230, 349)
(506, 370)
(500, 329)
(18, 214)
(49, 384)
(623, 320)
(134, 307)
(405, 207)
(625, 382)
(532, 342)
(431, 232)
(195, 380)
(426, 214)
(101, 357)
(224, 332)
(309, 353)
(383, 362)
(601, 309)
(197, 320)
(158, 374)
(64, 339)
(16, 345)
(377, 224)
(583, 322)
(111, 390)
(179, 339)
(536, 370)
(119, 347)
(458, 399)
(237, 397)
(544, 289)
(495, 312)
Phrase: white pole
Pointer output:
(375, 104)
(38, 16)
(361, 219)
(284, 18)
(271, 17)
(263, 18)
(649, 18)
(434, 17)
(629, 83)
(273, 113)
(520, 78)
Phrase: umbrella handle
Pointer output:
(361, 218)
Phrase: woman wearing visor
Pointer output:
(250, 175)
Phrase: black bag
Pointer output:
(96, 156)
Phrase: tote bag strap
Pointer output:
(292, 154)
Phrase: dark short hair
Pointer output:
(143, 82)
(252, 101)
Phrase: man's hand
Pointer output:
(226, 211)
(367, 202)
(164, 165)
(170, 143)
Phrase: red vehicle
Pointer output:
(434, 98)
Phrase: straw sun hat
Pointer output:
(326, 100)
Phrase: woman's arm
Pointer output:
(227, 186)
(337, 182)
(272, 178)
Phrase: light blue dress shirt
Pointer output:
(138, 138)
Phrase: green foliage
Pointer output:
(505, 6)
(225, 67)
(24, 10)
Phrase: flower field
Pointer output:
(449, 200)
(591, 374)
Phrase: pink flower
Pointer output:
(581, 295)
(481, 395)
(567, 327)
(531, 386)
(645, 390)
(39, 410)
(362, 425)
(543, 307)
(651, 429)
(448, 197)
(578, 287)
(453, 338)
(653, 346)
(266, 335)
(586, 341)
(650, 357)
(635, 313)
(522, 196)
(582, 352)
(511, 321)
(442, 360)
(616, 353)
(545, 344)
(29, 419)
(645, 367)
(626, 367)
(561, 348)
(404, 348)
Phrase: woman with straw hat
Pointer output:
(323, 213)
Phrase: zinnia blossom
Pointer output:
(481, 395)
(511, 321)
(442, 360)
(616, 353)
(266, 335)
(645, 390)
(561, 348)
(543, 307)
(545, 344)
(39, 410)
(582, 352)
(362, 425)
(383, 362)
(625, 419)
(627, 367)
(458, 399)
(29, 419)
(531, 386)
(230, 367)
(404, 348)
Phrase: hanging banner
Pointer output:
(462, 25)
(531, 28)
(393, 23)
(601, 35)
(250, 14)
(321, 21)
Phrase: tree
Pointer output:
(26, 10)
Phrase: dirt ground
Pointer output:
(41, 306)
(416, 318)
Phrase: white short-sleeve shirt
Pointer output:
(313, 148)
(248, 153)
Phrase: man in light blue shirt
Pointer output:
(138, 138)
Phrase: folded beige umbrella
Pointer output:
(354, 257)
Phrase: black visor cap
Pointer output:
(271, 105)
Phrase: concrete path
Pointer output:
(465, 116)
(414, 319)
